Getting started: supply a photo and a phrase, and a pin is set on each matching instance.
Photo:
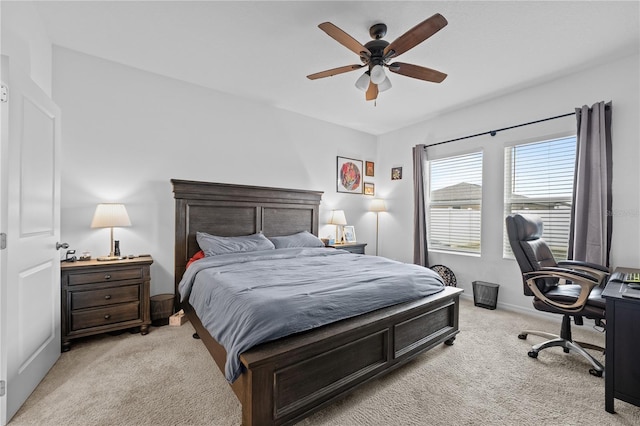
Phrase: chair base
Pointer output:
(567, 345)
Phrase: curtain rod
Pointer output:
(494, 132)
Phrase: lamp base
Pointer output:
(106, 258)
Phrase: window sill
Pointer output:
(457, 253)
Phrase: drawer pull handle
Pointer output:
(107, 277)
(107, 297)
(107, 316)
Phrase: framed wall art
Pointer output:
(369, 188)
(369, 168)
(396, 173)
(349, 175)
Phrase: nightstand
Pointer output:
(357, 248)
(102, 296)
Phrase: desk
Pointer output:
(622, 356)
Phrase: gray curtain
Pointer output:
(591, 221)
(420, 251)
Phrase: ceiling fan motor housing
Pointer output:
(376, 47)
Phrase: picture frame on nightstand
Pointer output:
(349, 234)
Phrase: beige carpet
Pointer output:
(485, 378)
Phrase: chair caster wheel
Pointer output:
(522, 336)
(595, 372)
(533, 354)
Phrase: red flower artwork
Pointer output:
(350, 176)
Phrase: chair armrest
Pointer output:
(597, 270)
(586, 282)
(589, 265)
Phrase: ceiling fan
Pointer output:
(376, 54)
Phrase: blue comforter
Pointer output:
(245, 299)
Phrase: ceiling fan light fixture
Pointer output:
(377, 74)
(385, 85)
(362, 82)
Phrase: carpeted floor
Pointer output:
(485, 378)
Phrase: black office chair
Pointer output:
(569, 288)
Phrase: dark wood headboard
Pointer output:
(230, 210)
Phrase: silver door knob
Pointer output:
(62, 245)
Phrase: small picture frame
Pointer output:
(349, 175)
(369, 188)
(369, 168)
(349, 234)
(396, 173)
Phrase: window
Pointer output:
(454, 203)
(539, 180)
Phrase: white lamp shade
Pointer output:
(378, 205)
(109, 215)
(377, 74)
(337, 218)
(385, 85)
(362, 82)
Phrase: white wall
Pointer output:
(617, 81)
(127, 132)
(25, 41)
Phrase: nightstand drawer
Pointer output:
(104, 316)
(105, 276)
(105, 296)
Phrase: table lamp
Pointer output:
(377, 205)
(110, 215)
(337, 218)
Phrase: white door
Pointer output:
(30, 218)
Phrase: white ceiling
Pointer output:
(263, 50)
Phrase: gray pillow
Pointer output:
(213, 245)
(301, 239)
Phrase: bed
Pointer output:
(289, 378)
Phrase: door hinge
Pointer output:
(2, 387)
(3, 94)
(3, 241)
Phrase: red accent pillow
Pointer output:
(198, 255)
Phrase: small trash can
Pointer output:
(485, 295)
(161, 309)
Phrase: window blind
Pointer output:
(454, 203)
(539, 181)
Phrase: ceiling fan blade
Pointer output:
(343, 38)
(416, 71)
(372, 92)
(415, 35)
(334, 71)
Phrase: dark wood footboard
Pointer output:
(288, 379)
